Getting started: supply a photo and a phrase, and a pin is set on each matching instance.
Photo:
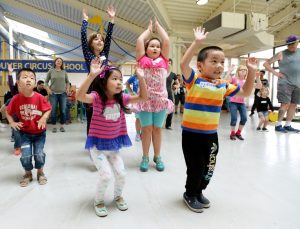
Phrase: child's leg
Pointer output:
(147, 128)
(266, 120)
(39, 156)
(119, 171)
(26, 158)
(158, 119)
(105, 175)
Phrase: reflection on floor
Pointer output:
(256, 184)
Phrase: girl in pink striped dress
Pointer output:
(152, 56)
(108, 131)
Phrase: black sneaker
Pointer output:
(193, 204)
(258, 128)
(203, 200)
(239, 137)
(265, 129)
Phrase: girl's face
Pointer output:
(97, 43)
(242, 73)
(153, 49)
(213, 65)
(114, 84)
(264, 92)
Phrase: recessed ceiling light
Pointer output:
(201, 2)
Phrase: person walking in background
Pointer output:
(179, 94)
(108, 131)
(264, 83)
(152, 56)
(32, 110)
(205, 94)
(57, 86)
(171, 80)
(288, 84)
(132, 85)
(95, 46)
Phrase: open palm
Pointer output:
(111, 11)
(252, 63)
(95, 68)
(200, 34)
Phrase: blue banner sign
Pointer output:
(43, 65)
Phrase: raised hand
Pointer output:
(10, 68)
(200, 34)
(111, 13)
(150, 26)
(85, 15)
(96, 68)
(251, 64)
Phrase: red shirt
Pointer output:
(29, 110)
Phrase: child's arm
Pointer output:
(84, 42)
(258, 84)
(142, 96)
(12, 123)
(270, 105)
(200, 35)
(248, 86)
(94, 72)
(140, 42)
(165, 46)
(111, 14)
(43, 120)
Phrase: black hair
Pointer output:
(170, 60)
(100, 86)
(202, 55)
(25, 70)
(263, 71)
(40, 82)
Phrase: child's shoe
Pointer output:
(121, 204)
(232, 136)
(25, 180)
(239, 136)
(144, 166)
(100, 209)
(159, 164)
(138, 137)
(192, 203)
(17, 151)
(203, 200)
(265, 129)
(42, 179)
(258, 128)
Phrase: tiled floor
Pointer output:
(256, 184)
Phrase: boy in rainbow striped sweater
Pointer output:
(205, 94)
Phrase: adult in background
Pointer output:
(57, 86)
(288, 85)
(265, 83)
(171, 80)
(40, 88)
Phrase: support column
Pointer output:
(176, 53)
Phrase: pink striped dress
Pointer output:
(108, 129)
(155, 76)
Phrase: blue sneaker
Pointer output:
(144, 166)
(159, 164)
(280, 129)
(291, 129)
(203, 200)
(192, 203)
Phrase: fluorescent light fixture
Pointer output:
(201, 2)
(27, 30)
(38, 48)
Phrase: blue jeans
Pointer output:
(16, 135)
(234, 108)
(68, 110)
(32, 145)
(60, 99)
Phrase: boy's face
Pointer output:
(27, 81)
(213, 65)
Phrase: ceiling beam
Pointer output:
(281, 36)
(161, 13)
(291, 9)
(95, 11)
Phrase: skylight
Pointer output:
(38, 48)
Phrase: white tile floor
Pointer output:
(256, 184)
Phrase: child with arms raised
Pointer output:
(152, 56)
(205, 94)
(108, 131)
